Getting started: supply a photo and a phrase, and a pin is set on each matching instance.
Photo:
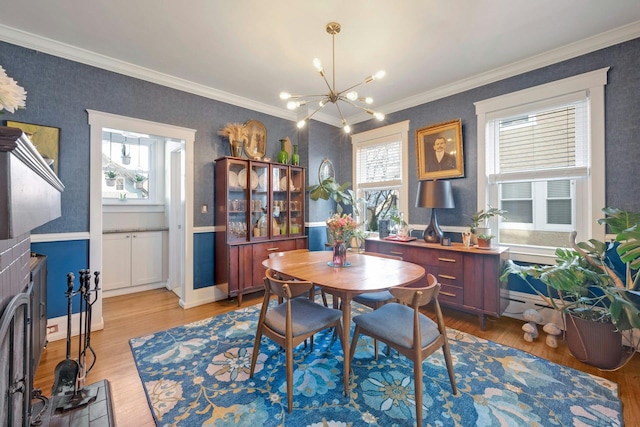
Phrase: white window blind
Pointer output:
(379, 163)
(539, 145)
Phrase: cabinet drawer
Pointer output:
(451, 295)
(447, 275)
(443, 259)
(261, 251)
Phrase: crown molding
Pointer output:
(66, 51)
(63, 50)
(573, 50)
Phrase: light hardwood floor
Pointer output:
(138, 314)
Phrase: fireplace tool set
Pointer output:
(70, 374)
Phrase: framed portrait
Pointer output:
(439, 151)
(46, 139)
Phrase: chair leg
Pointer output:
(449, 363)
(289, 377)
(256, 350)
(417, 382)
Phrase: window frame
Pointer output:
(591, 195)
(400, 130)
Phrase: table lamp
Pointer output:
(434, 195)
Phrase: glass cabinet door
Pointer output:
(280, 200)
(259, 201)
(237, 216)
(296, 201)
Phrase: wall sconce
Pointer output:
(434, 195)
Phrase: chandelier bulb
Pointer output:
(379, 116)
(352, 96)
(380, 74)
(318, 65)
(301, 124)
(368, 100)
(292, 105)
(285, 95)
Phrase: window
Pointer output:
(130, 164)
(380, 177)
(541, 152)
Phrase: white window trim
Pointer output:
(401, 129)
(593, 82)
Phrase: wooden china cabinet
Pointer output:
(259, 210)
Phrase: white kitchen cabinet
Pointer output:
(131, 259)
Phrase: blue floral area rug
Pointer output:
(198, 375)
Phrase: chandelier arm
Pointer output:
(366, 110)
(340, 112)
(324, 77)
(311, 114)
(352, 87)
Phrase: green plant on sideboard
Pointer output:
(481, 218)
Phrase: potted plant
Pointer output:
(341, 194)
(126, 156)
(329, 189)
(138, 180)
(110, 178)
(480, 221)
(484, 240)
(597, 287)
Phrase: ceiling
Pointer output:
(247, 51)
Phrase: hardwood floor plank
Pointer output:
(131, 316)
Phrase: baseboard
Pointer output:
(57, 326)
(520, 301)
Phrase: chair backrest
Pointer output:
(277, 254)
(396, 257)
(417, 297)
(285, 289)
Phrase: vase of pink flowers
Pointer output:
(340, 227)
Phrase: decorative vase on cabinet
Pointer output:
(283, 156)
(295, 157)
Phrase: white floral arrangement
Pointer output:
(12, 96)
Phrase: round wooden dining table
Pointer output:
(366, 273)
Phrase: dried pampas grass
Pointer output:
(234, 131)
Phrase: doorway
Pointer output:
(178, 166)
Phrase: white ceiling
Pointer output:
(247, 51)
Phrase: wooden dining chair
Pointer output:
(376, 299)
(392, 322)
(316, 289)
(293, 321)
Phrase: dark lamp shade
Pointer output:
(435, 194)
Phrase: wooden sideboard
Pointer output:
(470, 278)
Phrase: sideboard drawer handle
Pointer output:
(272, 249)
(396, 253)
(447, 294)
(446, 276)
(446, 259)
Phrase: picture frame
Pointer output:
(445, 138)
(46, 139)
(255, 146)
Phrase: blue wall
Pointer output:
(622, 128)
(60, 91)
(62, 258)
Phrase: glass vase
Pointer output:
(339, 254)
(283, 156)
(295, 157)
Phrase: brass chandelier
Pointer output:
(349, 95)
